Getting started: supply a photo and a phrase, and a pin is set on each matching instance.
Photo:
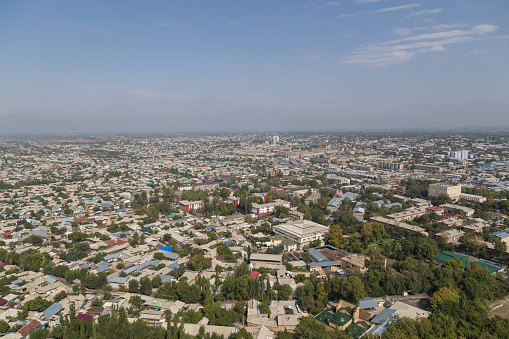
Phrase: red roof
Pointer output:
(85, 317)
(255, 274)
(435, 208)
(2, 301)
(110, 242)
(114, 242)
(29, 328)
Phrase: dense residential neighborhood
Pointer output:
(255, 236)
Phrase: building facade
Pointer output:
(441, 189)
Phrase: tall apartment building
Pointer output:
(458, 155)
(390, 165)
(436, 190)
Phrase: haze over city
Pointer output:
(208, 66)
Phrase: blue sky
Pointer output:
(195, 66)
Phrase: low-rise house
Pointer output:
(450, 235)
(152, 317)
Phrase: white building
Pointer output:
(437, 190)
(302, 231)
(459, 155)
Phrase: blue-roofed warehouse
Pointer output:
(324, 265)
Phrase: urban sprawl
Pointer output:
(255, 236)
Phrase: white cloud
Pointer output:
(380, 59)
(396, 8)
(161, 24)
(367, 1)
(381, 10)
(405, 31)
(233, 22)
(483, 29)
(402, 31)
(425, 12)
(446, 26)
(406, 49)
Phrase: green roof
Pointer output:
(355, 330)
(447, 255)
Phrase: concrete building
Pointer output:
(450, 235)
(268, 208)
(391, 165)
(450, 208)
(441, 189)
(302, 231)
(206, 186)
(459, 155)
(429, 168)
(189, 206)
(472, 197)
(400, 225)
(261, 258)
(354, 262)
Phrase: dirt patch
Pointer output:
(333, 255)
(501, 308)
(417, 300)
(295, 256)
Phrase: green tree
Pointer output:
(133, 286)
(285, 292)
(4, 326)
(145, 286)
(335, 236)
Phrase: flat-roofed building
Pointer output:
(391, 165)
(472, 197)
(189, 206)
(302, 231)
(429, 168)
(441, 189)
(450, 208)
(261, 258)
(268, 208)
(354, 262)
(400, 225)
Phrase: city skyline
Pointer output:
(127, 67)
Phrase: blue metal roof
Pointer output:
(367, 303)
(317, 256)
(324, 263)
(52, 310)
(174, 266)
(165, 278)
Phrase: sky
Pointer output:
(79, 67)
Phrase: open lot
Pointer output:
(418, 300)
(501, 308)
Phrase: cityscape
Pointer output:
(254, 235)
(290, 169)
